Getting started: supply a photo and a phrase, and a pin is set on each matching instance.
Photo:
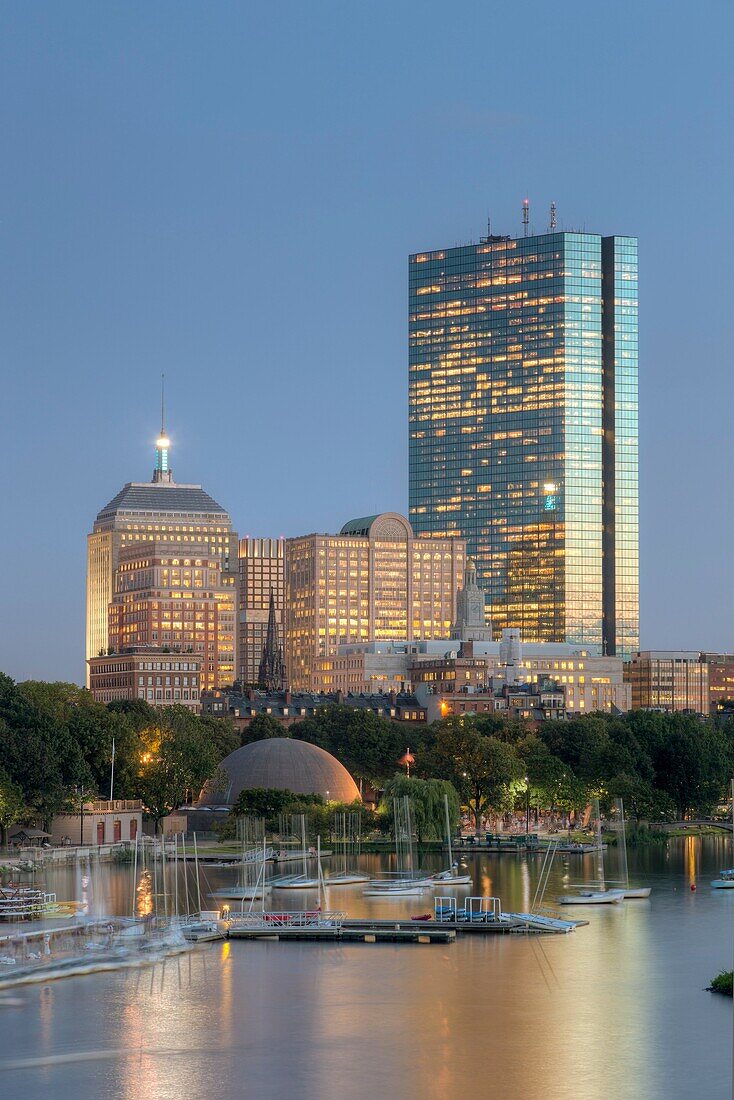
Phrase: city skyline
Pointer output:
(242, 223)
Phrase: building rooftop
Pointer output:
(163, 496)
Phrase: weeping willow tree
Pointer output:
(428, 808)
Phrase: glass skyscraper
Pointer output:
(523, 427)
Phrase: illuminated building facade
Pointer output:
(373, 581)
(669, 680)
(174, 595)
(589, 682)
(523, 427)
(721, 678)
(261, 571)
(170, 515)
(151, 673)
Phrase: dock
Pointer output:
(482, 916)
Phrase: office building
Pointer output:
(721, 678)
(374, 581)
(176, 596)
(523, 428)
(155, 674)
(167, 513)
(669, 680)
(261, 571)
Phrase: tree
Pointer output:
(177, 757)
(262, 802)
(481, 768)
(692, 763)
(428, 809)
(38, 753)
(368, 745)
(12, 805)
(261, 727)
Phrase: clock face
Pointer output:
(475, 607)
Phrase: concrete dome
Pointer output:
(285, 764)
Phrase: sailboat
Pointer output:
(304, 881)
(598, 895)
(450, 876)
(347, 827)
(251, 884)
(617, 822)
(404, 881)
(726, 878)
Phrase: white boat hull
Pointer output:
(298, 884)
(347, 879)
(447, 879)
(723, 884)
(593, 897)
(242, 893)
(392, 891)
(638, 892)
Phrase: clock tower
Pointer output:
(471, 624)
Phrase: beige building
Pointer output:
(261, 571)
(156, 675)
(589, 683)
(163, 511)
(675, 680)
(374, 581)
(101, 822)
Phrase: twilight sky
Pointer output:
(228, 192)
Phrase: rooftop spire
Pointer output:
(272, 673)
(162, 471)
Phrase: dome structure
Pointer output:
(280, 763)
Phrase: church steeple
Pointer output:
(272, 673)
(162, 471)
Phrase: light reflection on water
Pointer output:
(617, 1008)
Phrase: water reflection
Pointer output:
(617, 1008)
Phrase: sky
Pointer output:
(228, 193)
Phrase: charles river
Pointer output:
(618, 1008)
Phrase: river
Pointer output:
(617, 1008)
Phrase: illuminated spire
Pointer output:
(162, 472)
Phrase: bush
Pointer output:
(722, 983)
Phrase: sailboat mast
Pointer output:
(625, 867)
(196, 867)
(448, 828)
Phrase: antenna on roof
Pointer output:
(489, 226)
(553, 217)
(162, 471)
(525, 216)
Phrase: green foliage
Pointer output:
(723, 983)
(481, 768)
(428, 808)
(178, 755)
(262, 802)
(263, 726)
(12, 805)
(368, 745)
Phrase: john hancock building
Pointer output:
(523, 427)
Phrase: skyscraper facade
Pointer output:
(261, 572)
(178, 519)
(523, 427)
(374, 581)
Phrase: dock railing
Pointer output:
(287, 919)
